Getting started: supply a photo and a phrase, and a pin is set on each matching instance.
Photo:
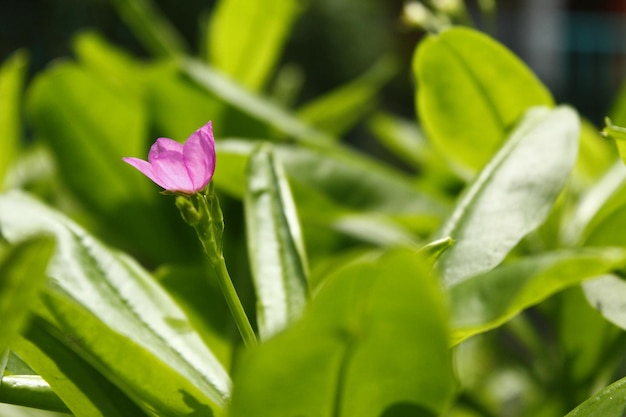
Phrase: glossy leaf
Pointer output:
(82, 389)
(487, 300)
(512, 195)
(365, 345)
(337, 111)
(610, 402)
(249, 55)
(12, 73)
(30, 391)
(22, 273)
(471, 91)
(117, 317)
(275, 246)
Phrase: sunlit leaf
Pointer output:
(275, 247)
(249, 55)
(512, 195)
(114, 315)
(373, 342)
(471, 91)
(610, 402)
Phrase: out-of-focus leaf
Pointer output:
(252, 105)
(373, 228)
(618, 134)
(337, 111)
(30, 391)
(112, 313)
(433, 250)
(607, 294)
(373, 342)
(22, 272)
(610, 402)
(249, 55)
(352, 182)
(151, 27)
(512, 195)
(470, 93)
(275, 246)
(82, 389)
(618, 109)
(595, 156)
(12, 74)
(488, 300)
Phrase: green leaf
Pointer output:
(373, 342)
(30, 391)
(346, 179)
(512, 195)
(488, 300)
(275, 247)
(151, 27)
(249, 55)
(618, 134)
(83, 389)
(251, 104)
(606, 294)
(12, 74)
(470, 93)
(113, 313)
(22, 272)
(610, 402)
(337, 111)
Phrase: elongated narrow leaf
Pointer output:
(117, 316)
(249, 55)
(251, 104)
(488, 300)
(12, 74)
(374, 342)
(606, 294)
(610, 402)
(83, 389)
(151, 27)
(471, 91)
(22, 273)
(338, 110)
(512, 195)
(30, 391)
(275, 245)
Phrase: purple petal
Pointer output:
(169, 168)
(199, 156)
(164, 145)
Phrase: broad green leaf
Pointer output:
(606, 294)
(610, 402)
(12, 73)
(595, 156)
(251, 104)
(487, 300)
(337, 111)
(275, 247)
(512, 195)
(151, 27)
(29, 391)
(82, 389)
(22, 273)
(471, 91)
(249, 55)
(618, 134)
(373, 342)
(115, 315)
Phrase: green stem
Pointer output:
(202, 211)
(234, 304)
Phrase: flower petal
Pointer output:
(164, 145)
(199, 156)
(145, 168)
(169, 168)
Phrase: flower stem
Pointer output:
(202, 211)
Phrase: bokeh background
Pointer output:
(577, 47)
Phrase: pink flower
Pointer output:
(180, 168)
